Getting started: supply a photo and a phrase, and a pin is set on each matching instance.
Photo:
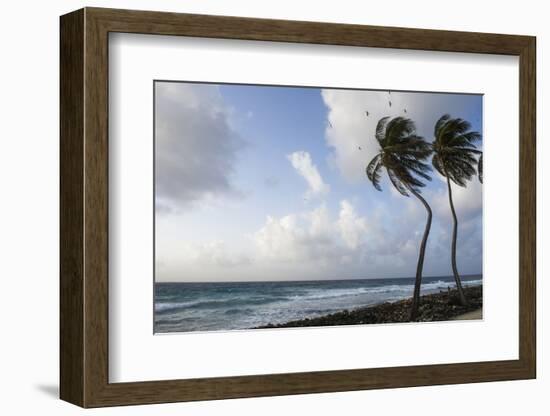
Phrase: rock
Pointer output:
(436, 307)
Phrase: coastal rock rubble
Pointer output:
(440, 306)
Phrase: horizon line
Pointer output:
(312, 280)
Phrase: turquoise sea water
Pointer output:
(183, 307)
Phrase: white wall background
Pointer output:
(29, 84)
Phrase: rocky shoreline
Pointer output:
(440, 306)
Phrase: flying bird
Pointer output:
(405, 111)
(359, 147)
(367, 113)
(330, 124)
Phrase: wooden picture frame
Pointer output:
(84, 207)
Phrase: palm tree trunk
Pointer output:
(463, 300)
(420, 264)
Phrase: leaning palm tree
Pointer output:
(455, 157)
(402, 153)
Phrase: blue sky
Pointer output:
(268, 183)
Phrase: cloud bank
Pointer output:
(344, 231)
(196, 148)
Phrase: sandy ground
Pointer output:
(470, 315)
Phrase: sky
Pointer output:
(263, 183)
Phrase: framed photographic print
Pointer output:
(256, 207)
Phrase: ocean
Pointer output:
(185, 307)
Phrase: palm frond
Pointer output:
(454, 127)
(455, 149)
(399, 129)
(480, 168)
(401, 188)
(406, 176)
(440, 123)
(416, 166)
(437, 164)
(381, 130)
(373, 171)
(466, 139)
(403, 153)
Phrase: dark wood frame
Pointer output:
(84, 207)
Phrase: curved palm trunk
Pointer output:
(420, 264)
(463, 300)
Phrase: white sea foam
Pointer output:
(251, 306)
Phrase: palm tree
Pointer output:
(454, 157)
(402, 153)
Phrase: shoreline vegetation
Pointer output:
(442, 306)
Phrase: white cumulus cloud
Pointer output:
(313, 236)
(301, 161)
(352, 228)
(468, 201)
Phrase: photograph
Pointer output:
(299, 206)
